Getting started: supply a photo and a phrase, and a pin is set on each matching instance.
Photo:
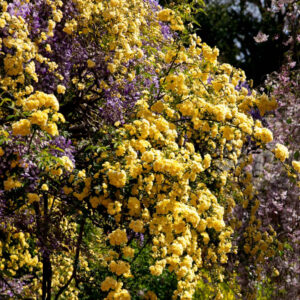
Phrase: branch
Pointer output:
(136, 256)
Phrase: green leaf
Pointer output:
(5, 100)
(10, 117)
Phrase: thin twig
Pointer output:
(31, 138)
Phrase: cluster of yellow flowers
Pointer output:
(172, 171)
(281, 152)
(16, 256)
(168, 15)
(21, 62)
(33, 104)
(118, 237)
(11, 183)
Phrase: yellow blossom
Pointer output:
(117, 178)
(67, 163)
(61, 89)
(91, 63)
(118, 237)
(39, 118)
(10, 184)
(296, 165)
(114, 207)
(108, 283)
(51, 128)
(33, 197)
(137, 226)
(120, 267)
(21, 127)
(44, 187)
(281, 152)
(128, 251)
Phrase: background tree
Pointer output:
(231, 25)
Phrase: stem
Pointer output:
(168, 71)
(76, 261)
(47, 276)
(31, 138)
(136, 256)
(47, 268)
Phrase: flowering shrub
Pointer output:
(122, 155)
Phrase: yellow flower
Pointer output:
(134, 206)
(177, 248)
(148, 156)
(206, 161)
(156, 270)
(51, 128)
(33, 197)
(81, 174)
(67, 163)
(80, 86)
(47, 100)
(95, 201)
(118, 179)
(56, 172)
(120, 267)
(2, 23)
(137, 226)
(111, 67)
(114, 207)
(176, 83)
(121, 150)
(61, 89)
(30, 69)
(12, 65)
(114, 3)
(48, 48)
(10, 184)
(1, 151)
(281, 152)
(70, 26)
(205, 237)
(44, 187)
(264, 134)
(21, 127)
(58, 117)
(165, 15)
(30, 105)
(150, 296)
(228, 133)
(275, 273)
(39, 118)
(118, 237)
(108, 283)
(128, 252)
(67, 190)
(170, 56)
(91, 64)
(296, 165)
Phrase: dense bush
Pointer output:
(123, 157)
